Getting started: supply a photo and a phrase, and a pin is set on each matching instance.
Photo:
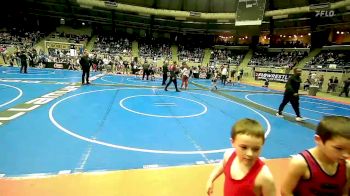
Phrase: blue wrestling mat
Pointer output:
(51, 124)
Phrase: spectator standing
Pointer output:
(345, 88)
(335, 84)
(320, 82)
(241, 73)
(330, 84)
(85, 66)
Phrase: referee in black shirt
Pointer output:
(165, 72)
(85, 66)
(291, 94)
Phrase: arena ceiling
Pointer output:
(75, 10)
(216, 6)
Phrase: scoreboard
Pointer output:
(250, 12)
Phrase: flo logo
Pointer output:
(325, 13)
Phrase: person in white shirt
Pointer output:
(224, 75)
(314, 78)
(214, 79)
(185, 76)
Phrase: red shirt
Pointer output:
(245, 186)
(172, 68)
(320, 183)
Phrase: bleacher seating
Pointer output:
(261, 57)
(68, 37)
(155, 49)
(330, 59)
(20, 39)
(231, 57)
(192, 54)
(112, 45)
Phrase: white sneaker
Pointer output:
(279, 115)
(299, 119)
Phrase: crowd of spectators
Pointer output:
(21, 39)
(229, 43)
(112, 45)
(15, 42)
(285, 59)
(224, 56)
(114, 52)
(191, 54)
(330, 59)
(67, 37)
(154, 50)
(57, 55)
(290, 44)
(64, 56)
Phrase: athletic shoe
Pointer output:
(299, 119)
(279, 115)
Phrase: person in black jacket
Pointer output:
(165, 72)
(345, 88)
(146, 70)
(173, 69)
(85, 66)
(291, 94)
(24, 64)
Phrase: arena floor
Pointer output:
(60, 138)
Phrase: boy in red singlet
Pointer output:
(245, 173)
(323, 169)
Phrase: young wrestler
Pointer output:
(323, 169)
(185, 76)
(214, 79)
(245, 173)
